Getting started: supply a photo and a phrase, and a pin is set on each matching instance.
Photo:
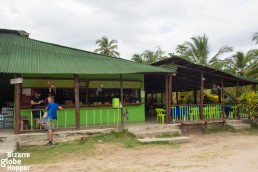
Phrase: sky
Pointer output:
(137, 25)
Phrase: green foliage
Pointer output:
(255, 37)
(220, 129)
(198, 52)
(248, 102)
(107, 47)
(148, 56)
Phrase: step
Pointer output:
(239, 126)
(32, 139)
(235, 121)
(157, 132)
(8, 144)
(153, 127)
(175, 140)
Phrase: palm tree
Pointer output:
(198, 51)
(149, 56)
(138, 58)
(241, 64)
(107, 47)
(255, 37)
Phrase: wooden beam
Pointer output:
(177, 97)
(18, 88)
(201, 96)
(77, 100)
(222, 98)
(237, 95)
(167, 97)
(122, 101)
(171, 89)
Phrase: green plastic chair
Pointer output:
(206, 112)
(233, 112)
(194, 113)
(161, 114)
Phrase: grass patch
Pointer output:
(220, 129)
(80, 148)
(54, 153)
(252, 130)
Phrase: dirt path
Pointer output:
(214, 152)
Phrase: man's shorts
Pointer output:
(48, 123)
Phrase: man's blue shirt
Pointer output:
(52, 109)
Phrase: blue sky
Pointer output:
(138, 25)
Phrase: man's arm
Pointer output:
(36, 103)
(59, 107)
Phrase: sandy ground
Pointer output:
(212, 152)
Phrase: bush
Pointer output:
(248, 102)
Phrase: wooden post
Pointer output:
(222, 98)
(18, 88)
(77, 100)
(201, 96)
(169, 97)
(87, 94)
(171, 90)
(122, 101)
(237, 95)
(177, 98)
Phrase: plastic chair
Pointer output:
(233, 112)
(206, 112)
(160, 115)
(194, 113)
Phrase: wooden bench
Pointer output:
(184, 125)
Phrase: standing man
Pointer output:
(51, 116)
(36, 102)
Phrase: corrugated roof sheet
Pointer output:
(19, 54)
(188, 76)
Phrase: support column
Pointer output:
(237, 95)
(169, 97)
(77, 100)
(122, 101)
(201, 96)
(18, 88)
(177, 98)
(87, 94)
(222, 98)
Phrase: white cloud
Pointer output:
(136, 24)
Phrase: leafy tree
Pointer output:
(138, 58)
(241, 64)
(248, 101)
(198, 51)
(148, 56)
(255, 37)
(106, 47)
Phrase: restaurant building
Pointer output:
(82, 82)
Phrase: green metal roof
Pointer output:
(20, 54)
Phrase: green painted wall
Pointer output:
(96, 116)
